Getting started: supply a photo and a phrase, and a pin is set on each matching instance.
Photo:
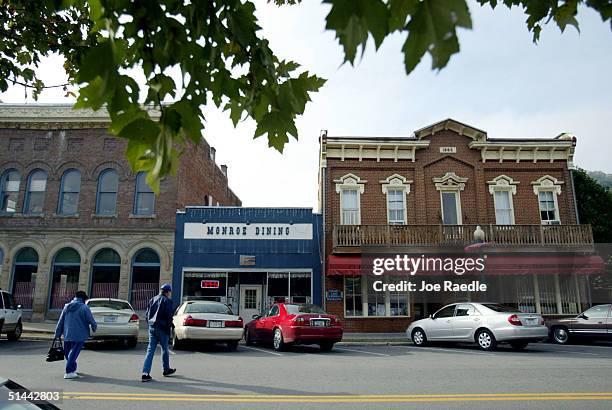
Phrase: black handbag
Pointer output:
(56, 351)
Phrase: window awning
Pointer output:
(343, 265)
(494, 265)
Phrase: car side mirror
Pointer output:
(255, 317)
(432, 317)
(582, 316)
(19, 307)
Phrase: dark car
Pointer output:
(594, 323)
(288, 323)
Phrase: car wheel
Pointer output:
(560, 335)
(15, 334)
(326, 346)
(248, 338)
(486, 340)
(131, 342)
(418, 337)
(176, 343)
(278, 342)
(518, 345)
(232, 346)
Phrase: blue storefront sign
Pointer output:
(248, 258)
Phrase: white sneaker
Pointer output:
(72, 375)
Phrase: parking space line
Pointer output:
(362, 351)
(260, 350)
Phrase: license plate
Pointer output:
(319, 323)
(110, 319)
(532, 322)
(215, 323)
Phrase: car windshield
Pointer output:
(501, 308)
(195, 307)
(109, 304)
(306, 308)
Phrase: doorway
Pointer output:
(250, 301)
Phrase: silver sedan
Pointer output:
(486, 324)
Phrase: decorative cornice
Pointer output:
(395, 181)
(350, 181)
(450, 181)
(54, 116)
(547, 183)
(502, 183)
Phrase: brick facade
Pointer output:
(423, 202)
(54, 139)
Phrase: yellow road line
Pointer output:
(375, 398)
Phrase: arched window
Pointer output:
(9, 190)
(35, 192)
(70, 188)
(145, 278)
(25, 265)
(105, 273)
(108, 184)
(144, 201)
(65, 277)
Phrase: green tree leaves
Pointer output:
(191, 53)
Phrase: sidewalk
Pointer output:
(45, 330)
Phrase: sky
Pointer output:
(500, 82)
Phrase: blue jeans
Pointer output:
(71, 351)
(156, 336)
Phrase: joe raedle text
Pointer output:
(424, 286)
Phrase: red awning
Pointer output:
(344, 265)
(544, 265)
(494, 265)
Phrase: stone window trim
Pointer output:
(100, 216)
(451, 182)
(503, 183)
(142, 216)
(397, 182)
(350, 181)
(548, 183)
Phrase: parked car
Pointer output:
(486, 324)
(594, 323)
(201, 320)
(10, 316)
(116, 320)
(288, 323)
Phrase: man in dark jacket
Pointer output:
(159, 318)
(74, 323)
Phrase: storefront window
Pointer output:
(278, 287)
(299, 287)
(205, 286)
(379, 303)
(105, 273)
(24, 270)
(288, 287)
(352, 292)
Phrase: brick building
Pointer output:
(427, 194)
(74, 215)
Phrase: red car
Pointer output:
(288, 323)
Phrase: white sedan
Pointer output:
(486, 324)
(206, 321)
(116, 320)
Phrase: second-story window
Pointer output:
(503, 188)
(450, 185)
(547, 188)
(548, 207)
(9, 190)
(69, 193)
(350, 207)
(108, 183)
(144, 202)
(350, 187)
(35, 192)
(396, 187)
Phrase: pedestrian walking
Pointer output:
(159, 318)
(74, 324)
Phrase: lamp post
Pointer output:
(479, 237)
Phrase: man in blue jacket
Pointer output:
(159, 317)
(74, 323)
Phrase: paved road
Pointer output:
(352, 376)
